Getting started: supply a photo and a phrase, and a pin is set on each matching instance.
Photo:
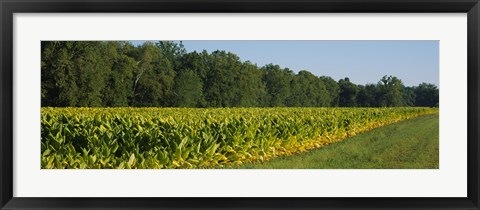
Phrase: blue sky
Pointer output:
(362, 61)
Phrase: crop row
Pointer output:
(197, 138)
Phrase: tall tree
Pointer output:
(333, 90)
(188, 89)
(251, 89)
(348, 93)
(277, 81)
(173, 52)
(426, 95)
(117, 91)
(220, 88)
(367, 95)
(163, 74)
(409, 96)
(307, 90)
(154, 76)
(58, 72)
(92, 71)
(391, 90)
(199, 64)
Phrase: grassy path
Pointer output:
(410, 143)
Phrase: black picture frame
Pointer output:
(9, 7)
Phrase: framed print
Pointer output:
(239, 105)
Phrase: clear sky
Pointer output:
(363, 62)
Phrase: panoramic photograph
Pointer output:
(240, 104)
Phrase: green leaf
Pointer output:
(131, 160)
(46, 152)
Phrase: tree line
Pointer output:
(164, 74)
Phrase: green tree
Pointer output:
(277, 81)
(188, 89)
(173, 52)
(58, 74)
(409, 96)
(427, 95)
(297, 94)
(199, 64)
(117, 91)
(333, 90)
(367, 95)
(74, 73)
(220, 84)
(307, 90)
(153, 77)
(162, 74)
(251, 88)
(348, 93)
(93, 66)
(391, 91)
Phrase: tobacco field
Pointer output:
(187, 138)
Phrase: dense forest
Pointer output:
(164, 74)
